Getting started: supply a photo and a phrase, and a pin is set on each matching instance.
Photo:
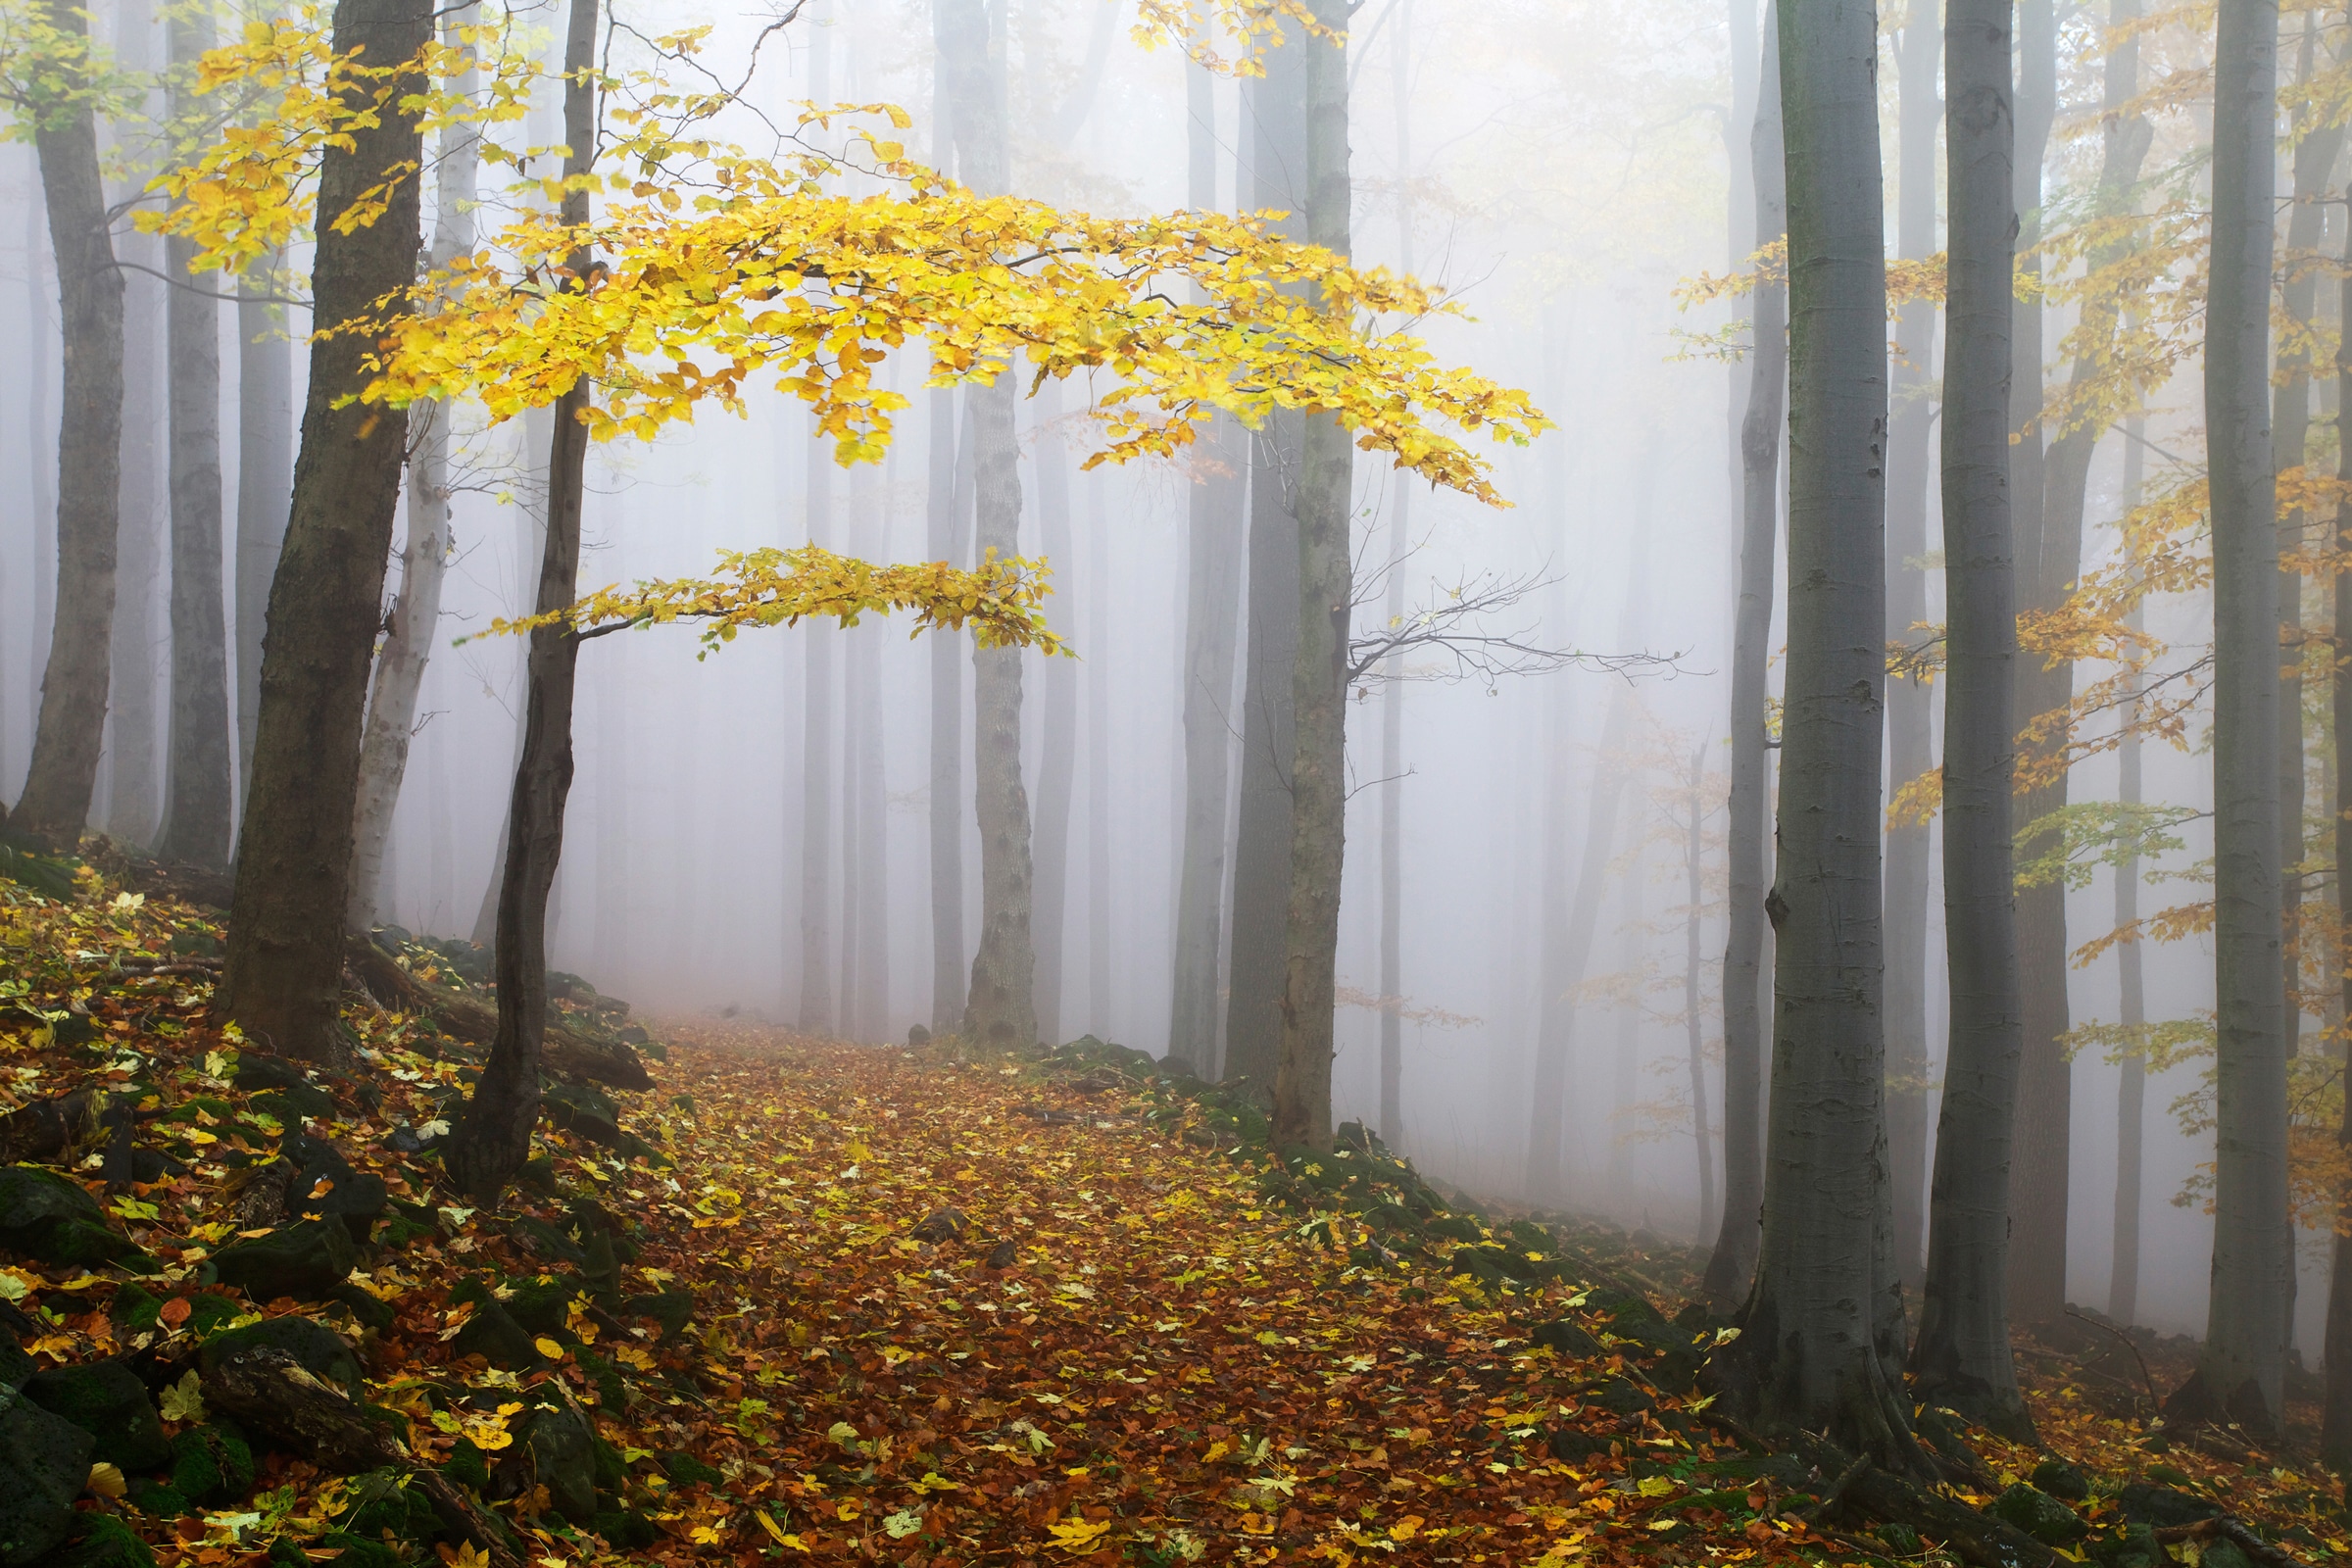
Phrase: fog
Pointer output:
(1560, 167)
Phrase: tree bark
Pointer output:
(2242, 1367)
(1694, 853)
(284, 977)
(1909, 702)
(56, 800)
(265, 485)
(816, 772)
(416, 618)
(1392, 694)
(2335, 1405)
(1961, 1357)
(946, 542)
(493, 1136)
(1274, 106)
(1058, 767)
(1098, 809)
(131, 769)
(2131, 1088)
(1748, 816)
(196, 815)
(1822, 1345)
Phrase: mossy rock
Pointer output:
(318, 1349)
(383, 1504)
(561, 1450)
(542, 1306)
(2144, 1504)
(106, 1400)
(134, 1309)
(2061, 1479)
(44, 1462)
(1455, 1228)
(212, 1464)
(365, 1311)
(685, 1470)
(304, 1262)
(209, 1312)
(626, 1529)
(358, 1551)
(467, 1465)
(1567, 1337)
(54, 1219)
(492, 1333)
(2040, 1515)
(158, 1499)
(101, 1541)
(672, 1309)
(2134, 1547)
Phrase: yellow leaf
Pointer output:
(548, 1347)
(1654, 1485)
(1406, 1528)
(106, 1481)
(1078, 1535)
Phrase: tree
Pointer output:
(1392, 697)
(55, 90)
(1821, 1341)
(1962, 1357)
(1057, 763)
(816, 765)
(415, 616)
(2242, 1366)
(264, 484)
(2336, 1404)
(1733, 1259)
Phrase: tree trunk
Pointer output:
(1695, 855)
(2049, 552)
(1733, 1259)
(871, 848)
(37, 341)
(131, 768)
(56, 800)
(265, 481)
(1962, 1357)
(1392, 694)
(1909, 703)
(2242, 1367)
(1058, 767)
(1099, 802)
(1274, 106)
(1822, 1345)
(2130, 1099)
(948, 542)
(1211, 614)
(816, 772)
(2335, 1405)
(415, 618)
(493, 1136)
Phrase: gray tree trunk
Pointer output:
(56, 800)
(537, 452)
(416, 618)
(38, 339)
(2336, 1402)
(1961, 1357)
(1100, 914)
(1909, 705)
(1822, 1345)
(1694, 889)
(2131, 1089)
(264, 484)
(1748, 816)
(947, 541)
(816, 772)
(1392, 695)
(133, 764)
(197, 813)
(1058, 765)
(2242, 1367)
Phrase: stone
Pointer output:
(1620, 1396)
(2061, 1479)
(672, 1309)
(578, 1108)
(106, 1400)
(44, 1462)
(685, 1470)
(2147, 1503)
(941, 1225)
(492, 1333)
(305, 1261)
(2040, 1515)
(211, 1464)
(53, 1218)
(562, 1457)
(381, 1502)
(103, 1541)
(316, 1349)
(1567, 1335)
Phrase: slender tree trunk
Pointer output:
(37, 339)
(1822, 1345)
(2131, 1100)
(1909, 708)
(612, 751)
(2336, 1404)
(1319, 673)
(871, 847)
(1694, 849)
(1274, 107)
(816, 770)
(131, 770)
(853, 730)
(1058, 767)
(1392, 695)
(56, 800)
(264, 482)
(415, 618)
(2049, 552)
(493, 1136)
(2241, 1368)
(1099, 804)
(1962, 1357)
(1748, 818)
(948, 542)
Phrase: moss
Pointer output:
(358, 1551)
(686, 1470)
(157, 1500)
(212, 1464)
(469, 1465)
(626, 1529)
(134, 1308)
(104, 1542)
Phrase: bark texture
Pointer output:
(2336, 1408)
(283, 976)
(1961, 1357)
(816, 770)
(948, 542)
(1057, 763)
(1733, 1259)
(265, 485)
(66, 741)
(2131, 1083)
(1695, 847)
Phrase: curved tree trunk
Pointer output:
(1734, 1259)
(1962, 1356)
(66, 741)
(284, 977)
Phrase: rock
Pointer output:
(603, 1062)
(104, 1542)
(1567, 1335)
(1571, 1446)
(562, 1453)
(1003, 1255)
(672, 1309)
(2061, 1479)
(2040, 1515)
(2146, 1503)
(941, 1225)
(53, 1218)
(381, 1502)
(2224, 1554)
(542, 1307)
(492, 1333)
(917, 1036)
(358, 1551)
(626, 1529)
(578, 1108)
(304, 1262)
(1621, 1397)
(267, 1078)
(316, 1349)
(106, 1400)
(358, 1199)
(2136, 1548)
(685, 1470)
(156, 1500)
(44, 1462)
(211, 1464)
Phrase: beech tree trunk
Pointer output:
(56, 800)
(265, 485)
(1909, 703)
(1058, 767)
(1392, 695)
(2243, 1364)
(416, 618)
(1694, 891)
(493, 1136)
(2335, 1405)
(1961, 1357)
(1748, 816)
(131, 772)
(1822, 1328)
(197, 809)
(948, 541)
(2131, 1088)
(816, 772)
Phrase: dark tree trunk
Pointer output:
(2241, 1370)
(197, 812)
(283, 978)
(1962, 1356)
(493, 1136)
(56, 802)
(2132, 1086)
(1822, 1345)
(131, 772)
(264, 482)
(1733, 1259)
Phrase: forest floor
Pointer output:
(805, 1299)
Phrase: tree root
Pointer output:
(2230, 1528)
(50, 1129)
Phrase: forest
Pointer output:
(1171, 781)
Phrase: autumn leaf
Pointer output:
(1075, 1534)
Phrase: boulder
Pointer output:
(562, 1457)
(101, 1541)
(941, 1225)
(106, 1400)
(316, 1349)
(44, 1462)
(1567, 1335)
(269, 1077)
(53, 1218)
(2146, 1503)
(492, 1333)
(304, 1262)
(211, 1464)
(2061, 1479)
(2040, 1515)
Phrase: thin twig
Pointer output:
(2154, 1403)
